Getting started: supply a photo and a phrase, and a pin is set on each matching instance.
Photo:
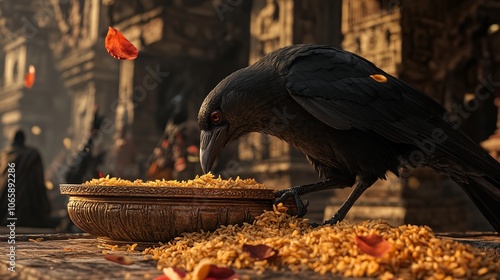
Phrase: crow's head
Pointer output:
(239, 104)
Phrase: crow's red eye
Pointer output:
(216, 117)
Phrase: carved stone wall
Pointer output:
(24, 41)
(372, 30)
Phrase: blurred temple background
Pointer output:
(148, 107)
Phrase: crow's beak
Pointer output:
(211, 143)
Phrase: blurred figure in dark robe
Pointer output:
(124, 156)
(32, 206)
(85, 166)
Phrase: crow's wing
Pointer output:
(335, 87)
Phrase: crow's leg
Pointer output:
(363, 184)
(296, 192)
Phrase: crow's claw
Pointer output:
(306, 203)
(280, 193)
(333, 220)
(283, 195)
(315, 225)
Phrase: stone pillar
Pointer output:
(124, 114)
(492, 144)
(88, 72)
(271, 27)
(12, 90)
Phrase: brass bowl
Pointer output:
(158, 214)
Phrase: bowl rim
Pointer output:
(165, 192)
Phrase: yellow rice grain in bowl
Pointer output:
(204, 181)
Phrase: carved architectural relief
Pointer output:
(77, 23)
(373, 31)
(271, 26)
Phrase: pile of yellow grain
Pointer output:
(204, 181)
(416, 253)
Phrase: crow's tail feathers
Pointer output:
(485, 193)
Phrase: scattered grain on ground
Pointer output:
(416, 252)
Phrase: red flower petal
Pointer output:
(119, 259)
(118, 46)
(261, 252)
(29, 78)
(172, 273)
(202, 269)
(373, 245)
(205, 270)
(221, 273)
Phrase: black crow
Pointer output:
(351, 120)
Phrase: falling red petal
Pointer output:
(29, 78)
(373, 245)
(118, 46)
(202, 269)
(261, 252)
(172, 273)
(205, 270)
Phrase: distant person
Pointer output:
(32, 205)
(85, 165)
